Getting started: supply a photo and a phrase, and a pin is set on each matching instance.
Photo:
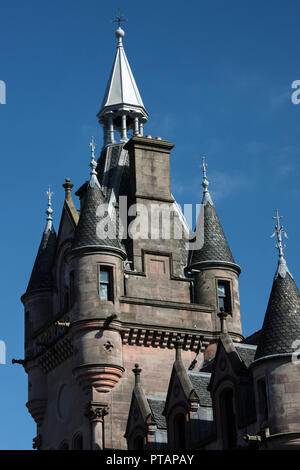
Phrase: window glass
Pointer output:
(221, 289)
(104, 275)
(106, 283)
(104, 291)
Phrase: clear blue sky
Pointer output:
(215, 77)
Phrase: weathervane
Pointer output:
(119, 19)
(205, 183)
(204, 166)
(49, 211)
(93, 163)
(279, 231)
(94, 180)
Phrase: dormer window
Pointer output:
(106, 283)
(224, 300)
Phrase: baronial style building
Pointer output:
(136, 341)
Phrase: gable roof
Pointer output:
(246, 352)
(157, 406)
(200, 381)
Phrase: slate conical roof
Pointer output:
(215, 247)
(121, 91)
(281, 325)
(41, 275)
(93, 217)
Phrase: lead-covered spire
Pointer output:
(122, 106)
(281, 328)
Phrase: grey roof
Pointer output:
(85, 233)
(41, 276)
(200, 381)
(157, 406)
(246, 352)
(253, 338)
(281, 325)
(215, 246)
(121, 90)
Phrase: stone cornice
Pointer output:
(167, 304)
(145, 143)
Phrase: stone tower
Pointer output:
(112, 288)
(276, 367)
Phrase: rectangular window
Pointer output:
(263, 400)
(106, 284)
(224, 299)
(71, 289)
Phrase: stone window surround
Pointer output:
(112, 281)
(227, 281)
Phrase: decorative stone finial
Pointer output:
(49, 211)
(205, 183)
(178, 346)
(137, 372)
(94, 180)
(282, 268)
(223, 316)
(67, 187)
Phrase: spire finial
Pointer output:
(279, 231)
(282, 266)
(68, 187)
(178, 346)
(93, 164)
(49, 211)
(137, 372)
(119, 32)
(205, 183)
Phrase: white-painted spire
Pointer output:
(282, 268)
(205, 183)
(122, 106)
(49, 211)
(93, 180)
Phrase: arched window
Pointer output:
(138, 443)
(78, 442)
(228, 419)
(179, 431)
